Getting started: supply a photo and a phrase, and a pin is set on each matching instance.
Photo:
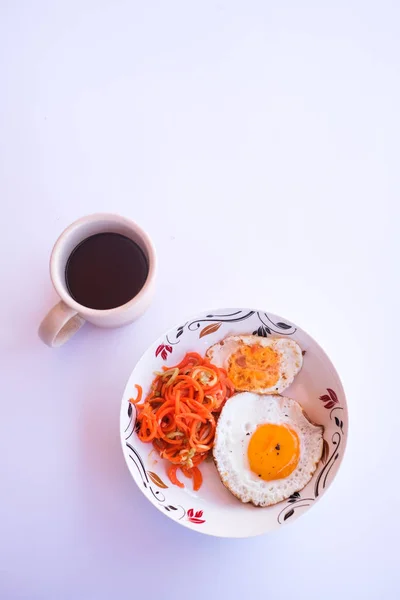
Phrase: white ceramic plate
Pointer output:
(213, 509)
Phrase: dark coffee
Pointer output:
(105, 271)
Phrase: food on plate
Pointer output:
(257, 364)
(180, 412)
(265, 447)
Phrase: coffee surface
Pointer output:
(106, 270)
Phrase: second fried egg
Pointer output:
(257, 364)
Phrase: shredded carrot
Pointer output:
(197, 478)
(179, 414)
(139, 396)
(172, 476)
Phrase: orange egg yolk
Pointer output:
(273, 451)
(254, 367)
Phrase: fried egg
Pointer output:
(265, 448)
(257, 364)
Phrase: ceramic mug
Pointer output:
(68, 316)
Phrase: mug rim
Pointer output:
(60, 285)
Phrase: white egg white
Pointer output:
(241, 415)
(290, 363)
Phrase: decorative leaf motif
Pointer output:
(172, 507)
(333, 395)
(330, 405)
(325, 452)
(262, 331)
(195, 517)
(156, 480)
(288, 514)
(337, 421)
(330, 400)
(197, 521)
(163, 349)
(325, 398)
(283, 326)
(179, 333)
(210, 329)
(294, 497)
(129, 409)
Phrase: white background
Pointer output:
(258, 143)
